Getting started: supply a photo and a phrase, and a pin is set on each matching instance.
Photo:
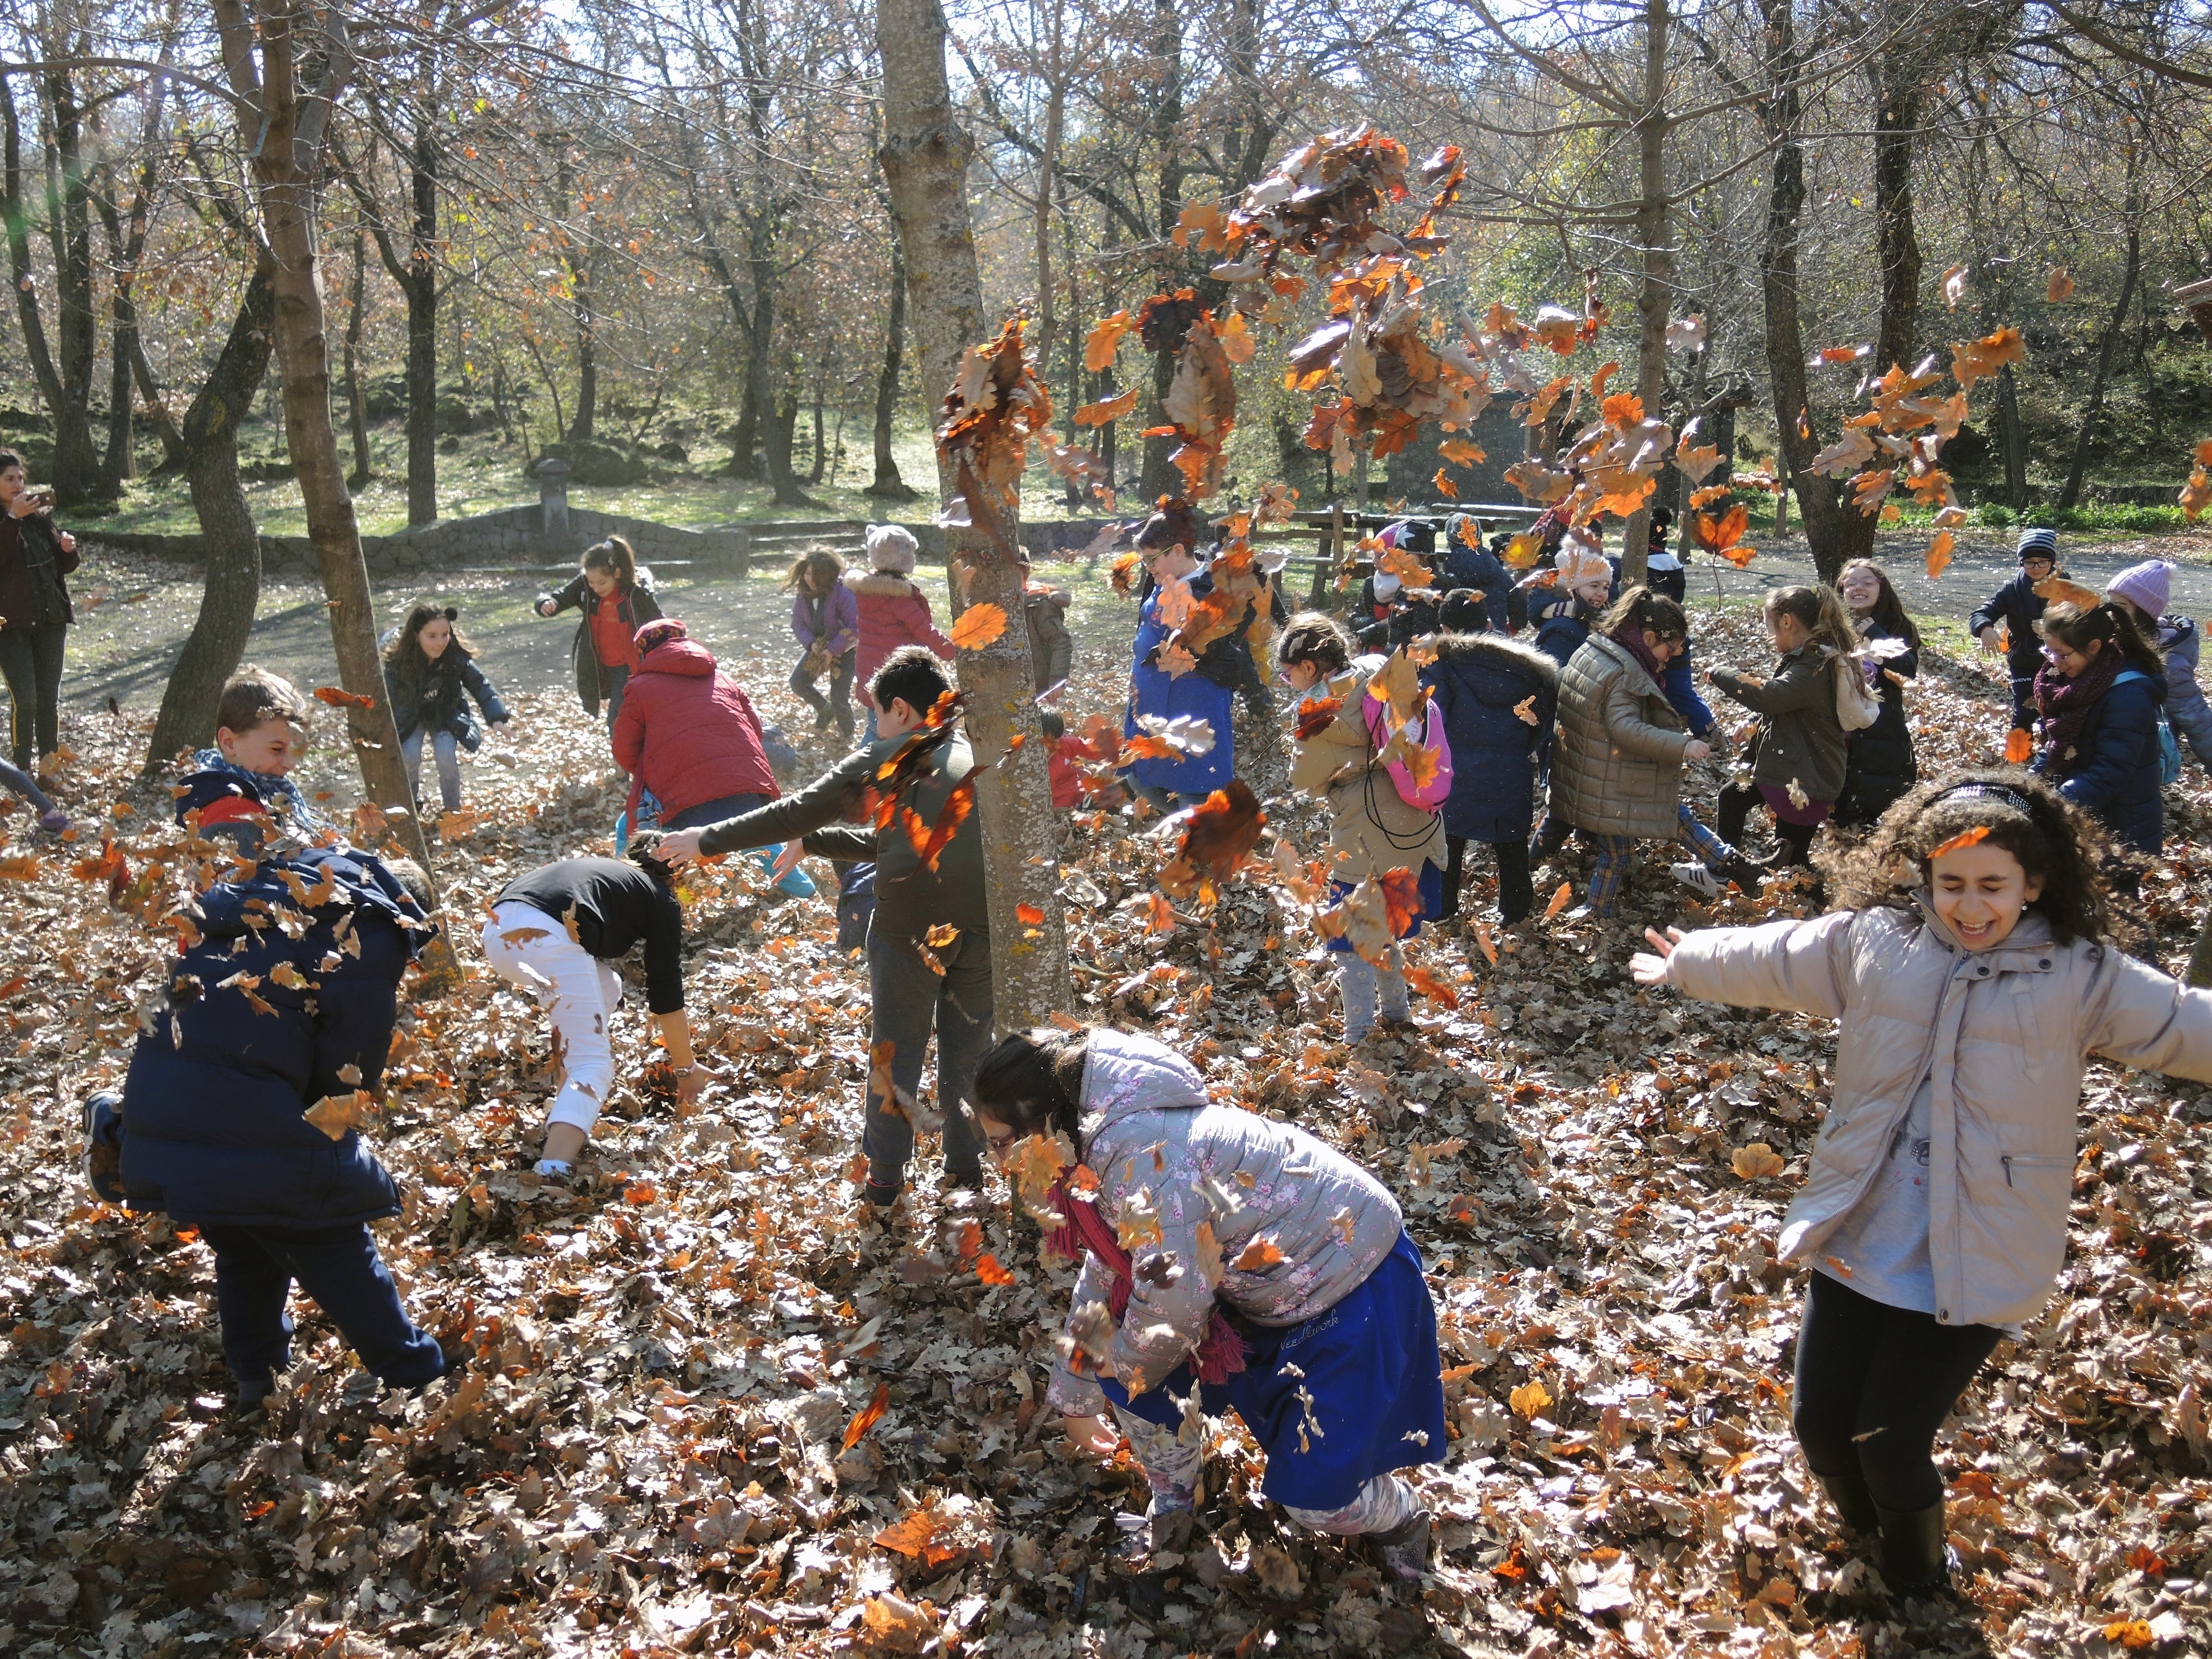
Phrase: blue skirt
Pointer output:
(1432, 901)
(1372, 1369)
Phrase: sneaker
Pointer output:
(53, 823)
(1404, 1553)
(103, 1145)
(1699, 879)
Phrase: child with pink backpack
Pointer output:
(1385, 773)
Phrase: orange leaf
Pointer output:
(1622, 409)
(1401, 900)
(880, 1086)
(1972, 837)
(333, 694)
(978, 626)
(2019, 748)
(1460, 450)
(913, 1535)
(870, 1415)
(1028, 914)
(1842, 353)
(1223, 829)
(1259, 1253)
(1104, 339)
(1316, 715)
(1560, 900)
(1482, 937)
(1106, 409)
(988, 1270)
(24, 866)
(1939, 554)
(1431, 986)
(14, 986)
(971, 1242)
(2060, 288)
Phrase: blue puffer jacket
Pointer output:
(1561, 633)
(214, 1130)
(1477, 681)
(1458, 566)
(2115, 769)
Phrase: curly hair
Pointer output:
(2053, 839)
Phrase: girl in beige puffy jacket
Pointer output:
(1972, 975)
(1374, 831)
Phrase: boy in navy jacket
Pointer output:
(2008, 621)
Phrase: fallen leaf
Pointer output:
(2020, 747)
(869, 1416)
(1756, 1161)
(1530, 1398)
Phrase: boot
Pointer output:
(1915, 1557)
(1849, 1495)
(1404, 1551)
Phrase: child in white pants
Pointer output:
(579, 993)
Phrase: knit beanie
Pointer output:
(2038, 545)
(651, 636)
(891, 547)
(1576, 565)
(2149, 586)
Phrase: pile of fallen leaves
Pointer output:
(705, 1409)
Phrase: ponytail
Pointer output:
(1822, 614)
(616, 555)
(1654, 613)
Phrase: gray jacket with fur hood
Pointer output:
(1169, 1162)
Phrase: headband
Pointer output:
(1985, 791)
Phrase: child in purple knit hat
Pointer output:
(2146, 589)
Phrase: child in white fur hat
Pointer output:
(2145, 589)
(894, 611)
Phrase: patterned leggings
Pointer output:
(1171, 1458)
(1614, 853)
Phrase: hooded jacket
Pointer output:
(635, 608)
(688, 732)
(1052, 650)
(2002, 1035)
(214, 1103)
(1478, 680)
(894, 612)
(2115, 768)
(1616, 762)
(1372, 828)
(839, 628)
(1880, 765)
(1160, 1147)
(1801, 740)
(438, 700)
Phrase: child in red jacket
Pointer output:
(894, 611)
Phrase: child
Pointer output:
(1879, 764)
(259, 1029)
(1972, 972)
(2097, 701)
(825, 620)
(1798, 758)
(51, 819)
(913, 987)
(1498, 699)
(1064, 761)
(556, 931)
(1373, 828)
(2144, 589)
(260, 735)
(1463, 561)
(616, 593)
(894, 612)
(1052, 648)
(1333, 1361)
(1564, 608)
(2008, 621)
(429, 673)
(1167, 548)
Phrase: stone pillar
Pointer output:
(554, 536)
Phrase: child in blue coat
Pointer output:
(1498, 699)
(2007, 621)
(259, 1029)
(2097, 701)
(2145, 589)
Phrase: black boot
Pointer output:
(1915, 1557)
(1852, 1501)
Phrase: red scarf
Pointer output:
(1220, 1353)
(1629, 638)
(2065, 704)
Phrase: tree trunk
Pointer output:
(2013, 434)
(2085, 435)
(1159, 476)
(821, 443)
(1655, 298)
(122, 339)
(924, 158)
(173, 441)
(421, 287)
(232, 589)
(781, 424)
(63, 368)
(587, 352)
(1896, 119)
(364, 458)
(888, 484)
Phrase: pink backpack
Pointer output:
(1430, 796)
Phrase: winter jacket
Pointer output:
(1680, 682)
(2017, 609)
(1052, 648)
(1617, 762)
(839, 628)
(910, 897)
(2115, 767)
(1372, 828)
(32, 563)
(1460, 566)
(1477, 681)
(1799, 740)
(212, 1105)
(1160, 1148)
(2002, 1033)
(688, 732)
(635, 608)
(893, 612)
(1879, 764)
(2187, 710)
(438, 701)
(1372, 619)
(1201, 693)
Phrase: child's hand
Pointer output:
(68, 541)
(547, 608)
(1694, 750)
(787, 859)
(677, 846)
(1648, 970)
(1094, 1437)
(691, 1085)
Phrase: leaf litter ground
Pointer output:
(707, 1409)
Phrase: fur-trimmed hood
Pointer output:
(881, 583)
(1494, 651)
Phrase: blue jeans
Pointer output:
(255, 1268)
(447, 749)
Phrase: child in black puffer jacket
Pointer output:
(429, 674)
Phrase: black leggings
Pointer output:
(1516, 895)
(1873, 1385)
(31, 662)
(1793, 842)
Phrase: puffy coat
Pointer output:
(213, 1102)
(439, 699)
(1052, 649)
(2017, 609)
(2001, 1033)
(636, 608)
(2116, 768)
(1201, 693)
(1478, 680)
(1617, 762)
(840, 628)
(2186, 711)
(894, 612)
(1560, 634)
(1150, 1132)
(1799, 740)
(1458, 566)
(1880, 765)
(1372, 828)
(688, 732)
